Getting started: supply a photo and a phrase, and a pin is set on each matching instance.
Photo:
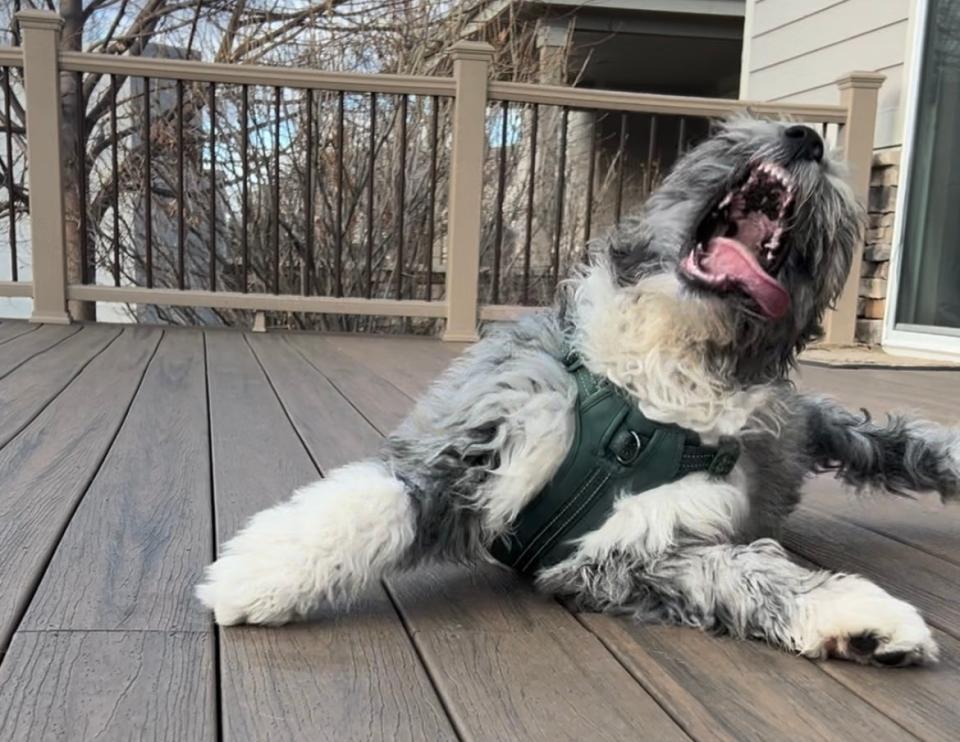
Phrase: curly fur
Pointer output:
(494, 428)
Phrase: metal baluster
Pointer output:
(115, 171)
(534, 126)
(147, 185)
(276, 190)
(370, 193)
(591, 174)
(432, 214)
(561, 186)
(501, 192)
(213, 185)
(12, 213)
(181, 201)
(307, 266)
(401, 188)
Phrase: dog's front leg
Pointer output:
(754, 591)
(898, 454)
(666, 555)
(324, 545)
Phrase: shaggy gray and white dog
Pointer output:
(696, 309)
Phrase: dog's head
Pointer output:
(760, 223)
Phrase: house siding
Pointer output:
(794, 50)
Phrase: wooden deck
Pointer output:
(128, 454)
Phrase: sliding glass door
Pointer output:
(927, 298)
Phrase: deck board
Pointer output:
(335, 677)
(140, 538)
(722, 688)
(407, 363)
(99, 685)
(513, 664)
(27, 391)
(318, 410)
(107, 517)
(115, 597)
(354, 380)
(10, 329)
(46, 468)
(21, 349)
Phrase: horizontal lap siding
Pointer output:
(795, 51)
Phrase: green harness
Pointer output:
(615, 449)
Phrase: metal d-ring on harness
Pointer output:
(615, 449)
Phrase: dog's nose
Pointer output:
(803, 143)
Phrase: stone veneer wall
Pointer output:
(879, 238)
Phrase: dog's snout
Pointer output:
(803, 143)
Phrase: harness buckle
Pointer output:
(728, 451)
(627, 446)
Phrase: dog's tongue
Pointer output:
(731, 258)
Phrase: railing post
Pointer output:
(41, 41)
(858, 93)
(471, 64)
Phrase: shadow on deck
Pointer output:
(127, 454)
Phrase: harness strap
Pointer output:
(615, 449)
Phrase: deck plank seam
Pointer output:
(647, 687)
(167, 632)
(64, 388)
(39, 352)
(48, 557)
(852, 688)
(352, 357)
(30, 328)
(819, 510)
(456, 724)
(283, 406)
(336, 388)
(931, 619)
(218, 724)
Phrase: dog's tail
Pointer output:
(901, 454)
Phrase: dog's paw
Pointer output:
(851, 618)
(265, 574)
(238, 590)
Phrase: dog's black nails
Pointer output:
(863, 643)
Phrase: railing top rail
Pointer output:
(249, 74)
(556, 95)
(11, 56)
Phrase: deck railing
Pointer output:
(240, 187)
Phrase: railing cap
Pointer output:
(479, 51)
(867, 80)
(43, 20)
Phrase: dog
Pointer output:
(694, 311)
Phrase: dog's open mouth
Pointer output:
(742, 241)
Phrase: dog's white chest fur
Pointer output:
(651, 341)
